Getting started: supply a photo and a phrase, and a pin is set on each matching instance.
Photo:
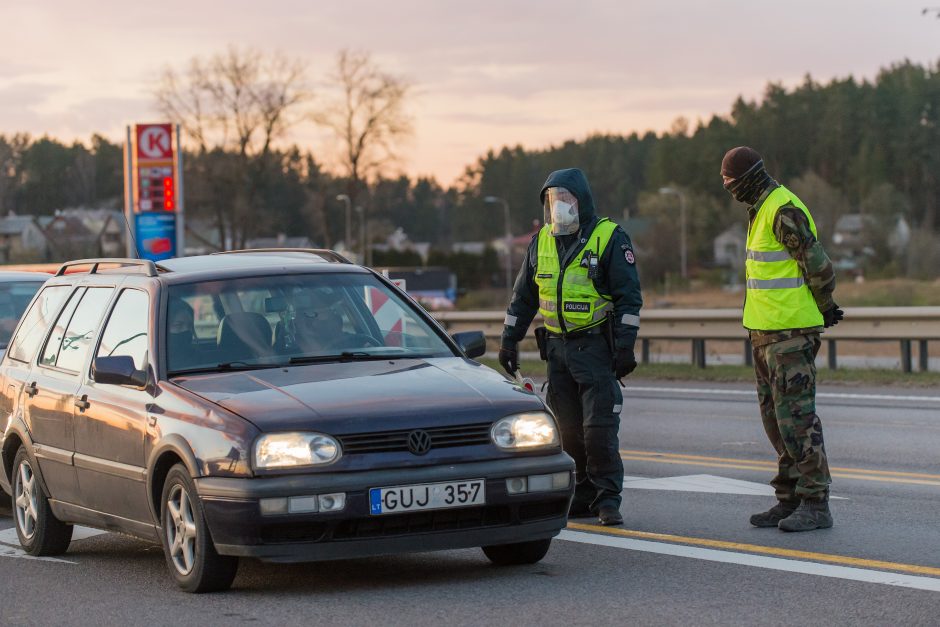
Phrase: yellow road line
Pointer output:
(887, 476)
(771, 464)
(760, 549)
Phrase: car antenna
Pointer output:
(130, 234)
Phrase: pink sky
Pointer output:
(487, 74)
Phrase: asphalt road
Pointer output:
(697, 463)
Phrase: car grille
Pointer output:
(397, 441)
(423, 522)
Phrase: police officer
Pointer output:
(580, 274)
(788, 302)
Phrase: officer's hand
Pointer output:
(832, 316)
(624, 362)
(509, 357)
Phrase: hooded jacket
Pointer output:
(618, 276)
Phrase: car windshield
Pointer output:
(256, 322)
(14, 298)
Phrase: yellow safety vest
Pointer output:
(777, 296)
(570, 290)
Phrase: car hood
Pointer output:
(357, 397)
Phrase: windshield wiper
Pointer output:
(346, 356)
(228, 366)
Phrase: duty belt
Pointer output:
(595, 330)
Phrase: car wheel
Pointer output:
(190, 554)
(39, 531)
(518, 553)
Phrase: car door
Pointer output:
(111, 421)
(53, 384)
(18, 368)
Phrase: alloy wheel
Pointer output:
(181, 529)
(26, 500)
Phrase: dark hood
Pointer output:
(575, 182)
(362, 397)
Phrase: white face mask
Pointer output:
(561, 214)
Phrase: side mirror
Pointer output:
(472, 343)
(118, 370)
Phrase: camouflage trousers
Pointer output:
(786, 389)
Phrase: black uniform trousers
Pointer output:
(587, 401)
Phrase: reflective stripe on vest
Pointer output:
(777, 296)
(582, 306)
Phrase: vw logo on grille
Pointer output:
(419, 442)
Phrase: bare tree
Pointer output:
(367, 117)
(241, 102)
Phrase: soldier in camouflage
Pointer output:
(784, 331)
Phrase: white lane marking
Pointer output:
(757, 561)
(12, 551)
(711, 484)
(8, 536)
(843, 395)
(699, 483)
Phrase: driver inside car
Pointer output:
(318, 326)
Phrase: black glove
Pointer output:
(832, 316)
(509, 357)
(624, 362)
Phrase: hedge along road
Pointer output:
(697, 465)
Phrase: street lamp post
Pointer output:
(496, 199)
(348, 203)
(683, 230)
(362, 234)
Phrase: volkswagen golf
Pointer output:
(284, 405)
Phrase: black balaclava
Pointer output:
(750, 179)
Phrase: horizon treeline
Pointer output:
(846, 146)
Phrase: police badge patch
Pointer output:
(628, 255)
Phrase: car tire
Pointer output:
(518, 553)
(190, 554)
(39, 531)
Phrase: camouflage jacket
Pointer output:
(792, 229)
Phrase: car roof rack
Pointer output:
(148, 267)
(330, 255)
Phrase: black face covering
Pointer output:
(748, 187)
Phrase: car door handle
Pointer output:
(82, 403)
(32, 390)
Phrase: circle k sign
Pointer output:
(154, 141)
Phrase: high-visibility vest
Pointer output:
(777, 296)
(570, 290)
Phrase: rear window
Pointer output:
(14, 298)
(37, 321)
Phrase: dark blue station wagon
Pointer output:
(279, 404)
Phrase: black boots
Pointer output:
(805, 516)
(774, 515)
(609, 515)
(808, 516)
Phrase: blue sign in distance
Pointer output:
(155, 235)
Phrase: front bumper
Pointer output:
(238, 527)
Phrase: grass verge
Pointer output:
(745, 374)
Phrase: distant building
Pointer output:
(730, 247)
(22, 240)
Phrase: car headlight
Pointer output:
(525, 431)
(285, 450)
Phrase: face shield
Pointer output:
(561, 211)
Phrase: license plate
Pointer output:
(410, 498)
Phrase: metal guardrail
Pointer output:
(906, 325)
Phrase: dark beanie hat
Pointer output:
(738, 161)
